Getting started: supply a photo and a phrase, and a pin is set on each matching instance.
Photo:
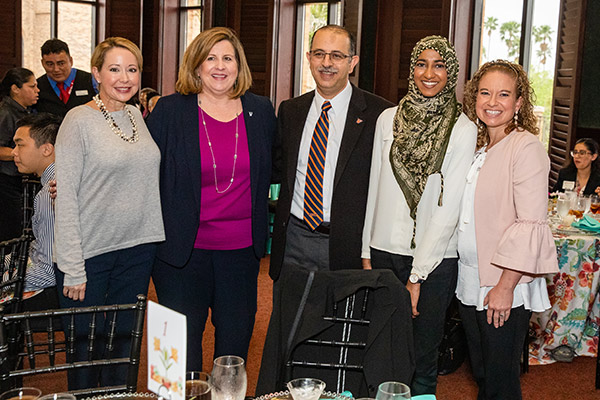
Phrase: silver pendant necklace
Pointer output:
(113, 125)
(213, 154)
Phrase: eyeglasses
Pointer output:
(335, 56)
(579, 153)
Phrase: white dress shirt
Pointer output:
(388, 225)
(337, 121)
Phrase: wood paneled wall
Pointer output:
(10, 36)
(401, 24)
(253, 22)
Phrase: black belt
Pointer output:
(323, 228)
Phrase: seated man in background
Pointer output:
(62, 87)
(34, 154)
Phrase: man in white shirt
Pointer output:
(322, 230)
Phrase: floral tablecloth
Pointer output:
(574, 318)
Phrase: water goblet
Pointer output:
(306, 388)
(228, 378)
(393, 391)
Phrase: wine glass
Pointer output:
(197, 385)
(306, 388)
(228, 378)
(393, 391)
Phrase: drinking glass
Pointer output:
(228, 378)
(197, 385)
(595, 204)
(24, 393)
(306, 388)
(579, 206)
(562, 205)
(393, 391)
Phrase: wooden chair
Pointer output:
(13, 263)
(22, 353)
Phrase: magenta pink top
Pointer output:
(225, 218)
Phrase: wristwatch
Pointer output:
(414, 278)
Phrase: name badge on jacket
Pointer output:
(81, 92)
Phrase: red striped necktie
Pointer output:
(313, 188)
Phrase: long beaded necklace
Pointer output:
(113, 125)
(213, 154)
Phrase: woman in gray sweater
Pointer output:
(108, 214)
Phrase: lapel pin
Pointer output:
(250, 113)
(359, 121)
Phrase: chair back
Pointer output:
(23, 353)
(350, 328)
(13, 264)
(30, 188)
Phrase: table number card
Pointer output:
(166, 352)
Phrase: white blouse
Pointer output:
(532, 295)
(388, 225)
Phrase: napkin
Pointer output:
(587, 223)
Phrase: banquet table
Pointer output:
(574, 318)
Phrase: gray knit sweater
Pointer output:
(108, 196)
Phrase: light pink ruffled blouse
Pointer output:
(511, 203)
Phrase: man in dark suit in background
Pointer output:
(62, 87)
(325, 140)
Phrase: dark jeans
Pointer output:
(116, 277)
(224, 281)
(11, 212)
(495, 353)
(428, 328)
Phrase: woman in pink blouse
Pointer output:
(504, 242)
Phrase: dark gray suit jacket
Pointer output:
(351, 180)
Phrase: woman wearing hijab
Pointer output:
(421, 154)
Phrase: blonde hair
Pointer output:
(188, 81)
(110, 43)
(526, 119)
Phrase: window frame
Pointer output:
(183, 12)
(95, 4)
(335, 7)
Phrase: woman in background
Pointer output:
(215, 138)
(504, 241)
(582, 174)
(18, 92)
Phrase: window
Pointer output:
(501, 24)
(311, 16)
(191, 22)
(73, 21)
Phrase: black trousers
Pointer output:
(224, 281)
(428, 328)
(495, 353)
(11, 214)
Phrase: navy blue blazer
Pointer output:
(174, 126)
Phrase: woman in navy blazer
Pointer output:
(215, 139)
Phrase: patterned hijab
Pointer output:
(422, 127)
